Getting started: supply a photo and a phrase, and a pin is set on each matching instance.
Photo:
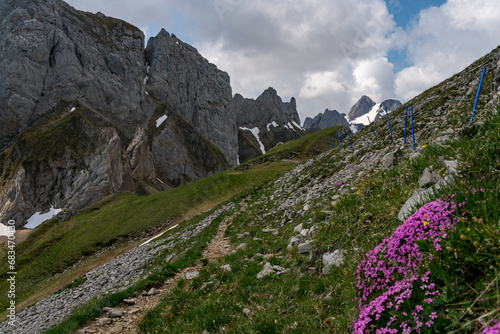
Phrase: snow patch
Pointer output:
(298, 126)
(160, 120)
(38, 218)
(290, 126)
(255, 131)
(146, 79)
(72, 109)
(273, 123)
(147, 93)
(353, 128)
(156, 236)
(372, 114)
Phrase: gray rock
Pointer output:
(325, 120)
(63, 216)
(298, 228)
(152, 292)
(305, 247)
(247, 312)
(419, 196)
(293, 241)
(428, 178)
(332, 259)
(304, 232)
(130, 301)
(104, 321)
(266, 271)
(243, 235)
(205, 332)
(115, 313)
(226, 267)
(451, 166)
(241, 246)
(392, 159)
(192, 275)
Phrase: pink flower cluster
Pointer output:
(389, 273)
(495, 329)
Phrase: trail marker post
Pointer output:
(477, 95)
(342, 140)
(371, 126)
(412, 129)
(388, 121)
(350, 144)
(406, 121)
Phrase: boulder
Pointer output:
(332, 259)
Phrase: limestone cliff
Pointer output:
(264, 122)
(86, 110)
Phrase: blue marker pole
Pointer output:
(388, 121)
(371, 126)
(406, 121)
(412, 129)
(342, 140)
(350, 145)
(337, 135)
(477, 95)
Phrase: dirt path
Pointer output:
(134, 309)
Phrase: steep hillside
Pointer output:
(299, 240)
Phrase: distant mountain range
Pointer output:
(357, 116)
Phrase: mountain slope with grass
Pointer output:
(319, 246)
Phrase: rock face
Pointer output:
(362, 107)
(325, 120)
(265, 122)
(86, 111)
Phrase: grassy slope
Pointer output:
(124, 217)
(303, 300)
(55, 246)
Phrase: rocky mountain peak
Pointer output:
(363, 106)
(325, 120)
(264, 122)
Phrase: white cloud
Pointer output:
(445, 40)
(325, 53)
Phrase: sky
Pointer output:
(325, 53)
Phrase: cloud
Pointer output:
(445, 40)
(325, 53)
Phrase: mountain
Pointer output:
(272, 239)
(265, 122)
(87, 110)
(362, 107)
(375, 112)
(325, 120)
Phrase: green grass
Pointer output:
(55, 246)
(305, 147)
(303, 300)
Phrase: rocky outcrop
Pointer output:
(80, 98)
(325, 120)
(51, 53)
(194, 88)
(264, 122)
(362, 107)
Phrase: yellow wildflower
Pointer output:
(426, 222)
